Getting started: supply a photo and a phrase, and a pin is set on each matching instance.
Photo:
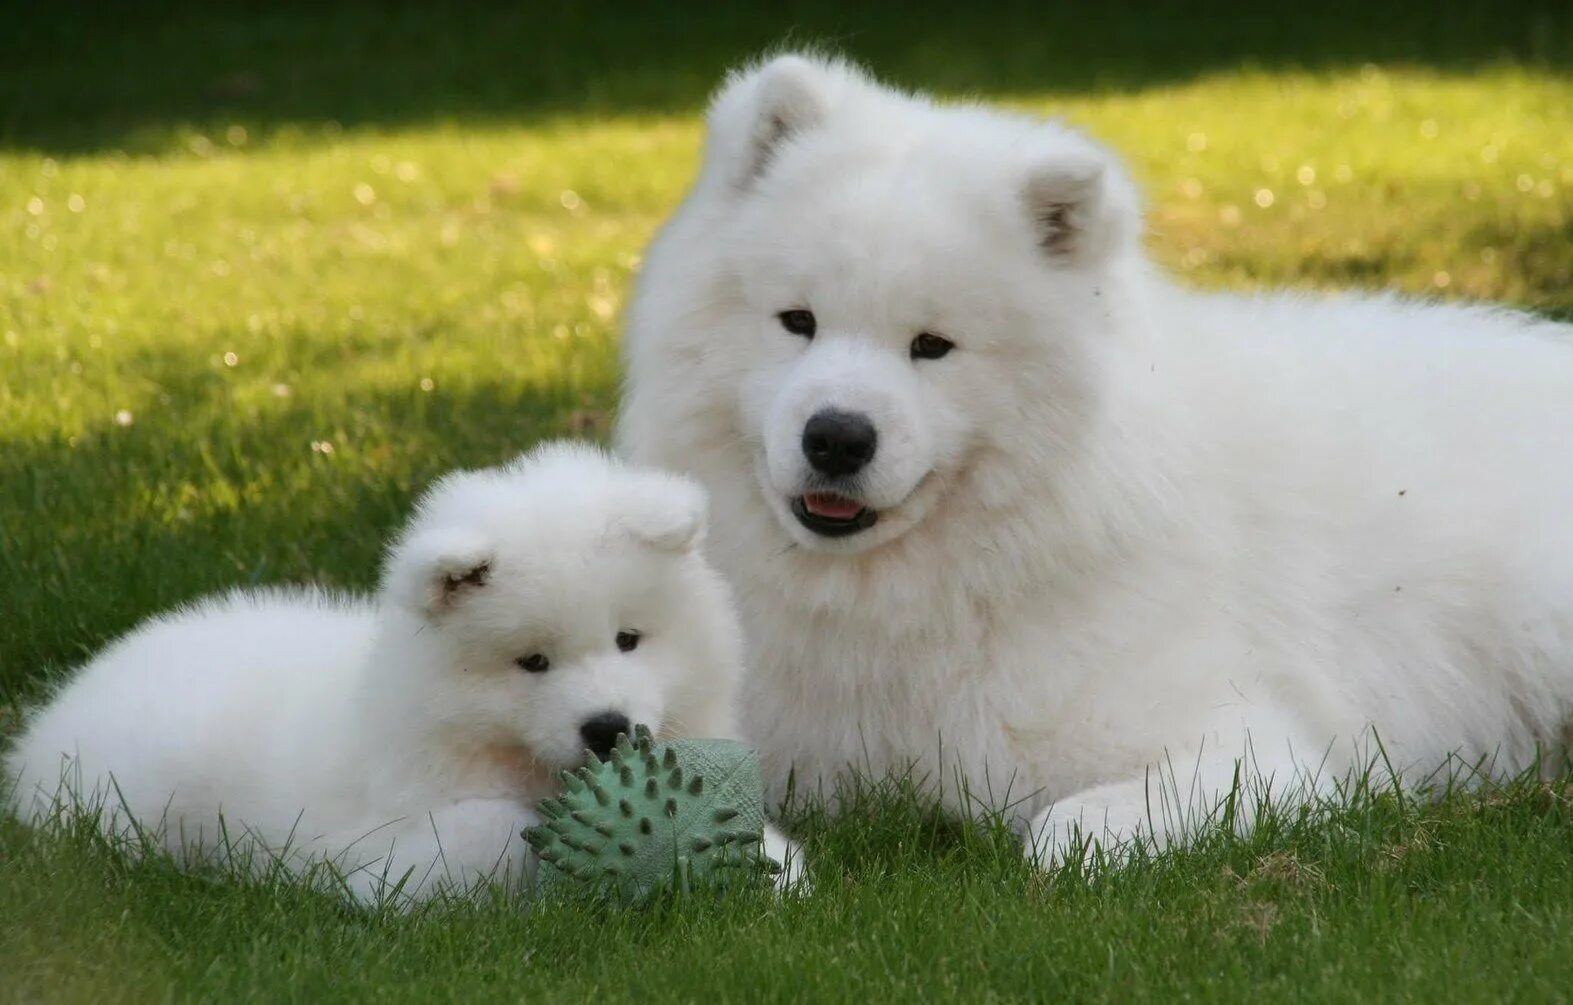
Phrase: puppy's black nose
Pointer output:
(600, 732)
(839, 443)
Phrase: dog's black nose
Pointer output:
(600, 732)
(839, 443)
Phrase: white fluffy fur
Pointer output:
(398, 735)
(1127, 531)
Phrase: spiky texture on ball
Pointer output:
(686, 812)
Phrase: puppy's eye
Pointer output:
(799, 322)
(627, 640)
(533, 663)
(931, 346)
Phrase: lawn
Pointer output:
(264, 273)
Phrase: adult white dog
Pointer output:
(998, 498)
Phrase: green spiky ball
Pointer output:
(684, 813)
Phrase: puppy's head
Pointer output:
(558, 597)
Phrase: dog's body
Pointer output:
(998, 499)
(527, 613)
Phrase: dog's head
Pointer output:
(565, 600)
(897, 292)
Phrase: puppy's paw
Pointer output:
(786, 852)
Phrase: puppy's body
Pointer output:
(1120, 531)
(526, 611)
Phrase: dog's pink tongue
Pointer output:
(832, 507)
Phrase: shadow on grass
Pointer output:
(198, 499)
(78, 77)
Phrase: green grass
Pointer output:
(263, 275)
(1465, 900)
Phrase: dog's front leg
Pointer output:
(1174, 799)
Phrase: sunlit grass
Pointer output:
(1449, 185)
(233, 355)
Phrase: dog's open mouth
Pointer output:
(831, 515)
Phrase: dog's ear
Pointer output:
(1081, 204)
(433, 571)
(666, 511)
(761, 108)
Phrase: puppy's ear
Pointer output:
(434, 571)
(761, 109)
(1081, 204)
(667, 512)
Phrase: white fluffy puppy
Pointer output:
(999, 499)
(528, 612)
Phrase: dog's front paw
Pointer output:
(1112, 819)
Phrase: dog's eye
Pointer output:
(627, 640)
(533, 663)
(931, 346)
(799, 322)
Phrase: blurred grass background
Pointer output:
(267, 268)
(264, 269)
